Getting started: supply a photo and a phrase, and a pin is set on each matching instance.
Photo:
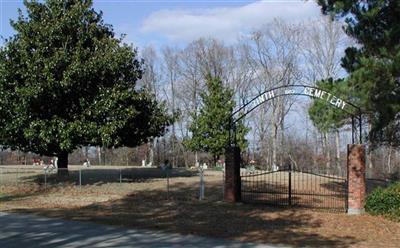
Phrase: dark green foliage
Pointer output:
(210, 127)
(385, 201)
(374, 66)
(66, 81)
(326, 117)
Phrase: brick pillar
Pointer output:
(356, 178)
(232, 174)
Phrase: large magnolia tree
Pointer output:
(67, 81)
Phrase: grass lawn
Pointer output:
(140, 201)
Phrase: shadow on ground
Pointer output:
(184, 213)
(31, 231)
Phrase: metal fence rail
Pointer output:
(199, 184)
(76, 176)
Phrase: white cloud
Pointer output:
(225, 23)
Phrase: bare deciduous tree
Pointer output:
(170, 59)
(323, 45)
(275, 58)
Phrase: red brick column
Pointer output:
(232, 174)
(356, 178)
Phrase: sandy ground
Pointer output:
(142, 201)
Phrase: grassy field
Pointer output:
(141, 200)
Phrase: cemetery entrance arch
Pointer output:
(288, 186)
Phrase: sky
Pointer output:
(177, 22)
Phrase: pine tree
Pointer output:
(374, 66)
(211, 126)
(324, 116)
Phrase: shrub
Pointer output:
(385, 201)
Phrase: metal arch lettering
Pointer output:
(304, 90)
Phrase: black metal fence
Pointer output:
(288, 187)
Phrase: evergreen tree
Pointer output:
(324, 116)
(210, 128)
(373, 67)
(66, 81)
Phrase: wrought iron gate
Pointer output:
(295, 188)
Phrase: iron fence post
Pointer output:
(201, 197)
(120, 176)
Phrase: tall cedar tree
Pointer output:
(374, 66)
(210, 128)
(66, 81)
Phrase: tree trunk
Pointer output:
(337, 139)
(389, 160)
(282, 143)
(185, 156)
(274, 147)
(173, 124)
(327, 151)
(85, 152)
(152, 145)
(98, 150)
(316, 145)
(369, 151)
(196, 158)
(62, 163)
